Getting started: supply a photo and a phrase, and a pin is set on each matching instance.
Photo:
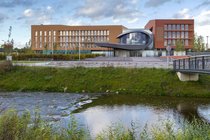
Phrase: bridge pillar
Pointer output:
(188, 76)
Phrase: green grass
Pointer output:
(145, 81)
(25, 127)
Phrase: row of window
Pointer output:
(176, 27)
(75, 45)
(84, 32)
(73, 39)
(176, 35)
(45, 33)
(74, 33)
(172, 42)
(66, 45)
(84, 39)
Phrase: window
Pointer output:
(182, 35)
(169, 42)
(165, 34)
(178, 35)
(45, 33)
(36, 42)
(36, 33)
(107, 32)
(173, 34)
(40, 33)
(169, 34)
(178, 27)
(186, 43)
(165, 27)
(169, 27)
(165, 42)
(182, 27)
(186, 34)
(173, 42)
(173, 27)
(186, 27)
(67, 39)
(60, 33)
(54, 33)
(49, 33)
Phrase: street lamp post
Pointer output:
(207, 44)
(168, 48)
(79, 45)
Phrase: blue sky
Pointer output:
(21, 14)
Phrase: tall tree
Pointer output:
(179, 45)
(198, 43)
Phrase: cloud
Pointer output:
(183, 14)
(28, 13)
(155, 3)
(13, 3)
(74, 22)
(37, 16)
(203, 18)
(2, 18)
(115, 10)
(203, 4)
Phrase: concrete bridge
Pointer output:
(188, 69)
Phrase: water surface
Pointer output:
(98, 112)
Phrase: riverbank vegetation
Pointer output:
(27, 127)
(46, 57)
(145, 81)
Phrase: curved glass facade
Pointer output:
(134, 38)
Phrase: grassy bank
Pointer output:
(25, 127)
(99, 80)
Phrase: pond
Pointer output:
(98, 112)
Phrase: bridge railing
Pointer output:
(193, 64)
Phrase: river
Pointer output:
(98, 112)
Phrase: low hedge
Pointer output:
(42, 57)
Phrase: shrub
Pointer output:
(44, 57)
(6, 66)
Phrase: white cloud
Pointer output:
(75, 22)
(117, 10)
(28, 13)
(183, 14)
(38, 16)
(155, 3)
(202, 24)
(2, 17)
(49, 8)
(203, 18)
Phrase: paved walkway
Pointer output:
(131, 62)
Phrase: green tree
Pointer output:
(198, 43)
(8, 47)
(55, 46)
(45, 48)
(179, 45)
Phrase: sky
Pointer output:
(21, 14)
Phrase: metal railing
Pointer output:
(197, 64)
